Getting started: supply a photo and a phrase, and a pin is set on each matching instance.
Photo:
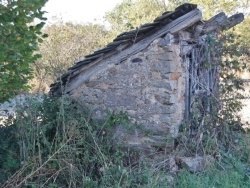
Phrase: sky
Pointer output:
(79, 11)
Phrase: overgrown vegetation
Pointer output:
(214, 123)
(56, 143)
(231, 169)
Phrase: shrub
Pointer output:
(56, 143)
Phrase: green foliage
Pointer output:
(232, 65)
(228, 178)
(243, 42)
(214, 124)
(66, 43)
(18, 41)
(120, 118)
(9, 160)
(210, 8)
(232, 170)
(56, 143)
(131, 14)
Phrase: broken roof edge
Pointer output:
(123, 41)
(117, 51)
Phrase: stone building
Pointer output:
(153, 73)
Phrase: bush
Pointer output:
(56, 143)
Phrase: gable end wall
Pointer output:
(149, 85)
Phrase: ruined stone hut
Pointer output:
(153, 73)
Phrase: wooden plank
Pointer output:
(233, 20)
(215, 22)
(163, 16)
(220, 21)
(187, 93)
(245, 80)
(173, 27)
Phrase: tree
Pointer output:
(66, 44)
(132, 13)
(19, 38)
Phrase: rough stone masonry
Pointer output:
(153, 73)
(149, 85)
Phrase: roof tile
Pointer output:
(124, 40)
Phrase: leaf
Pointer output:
(40, 40)
(18, 44)
(40, 26)
(45, 35)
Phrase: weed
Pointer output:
(231, 177)
(56, 143)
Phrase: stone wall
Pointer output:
(149, 85)
(8, 108)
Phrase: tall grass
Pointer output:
(57, 143)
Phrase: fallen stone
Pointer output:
(195, 164)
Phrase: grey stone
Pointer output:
(120, 100)
(145, 86)
(163, 99)
(162, 67)
(195, 164)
